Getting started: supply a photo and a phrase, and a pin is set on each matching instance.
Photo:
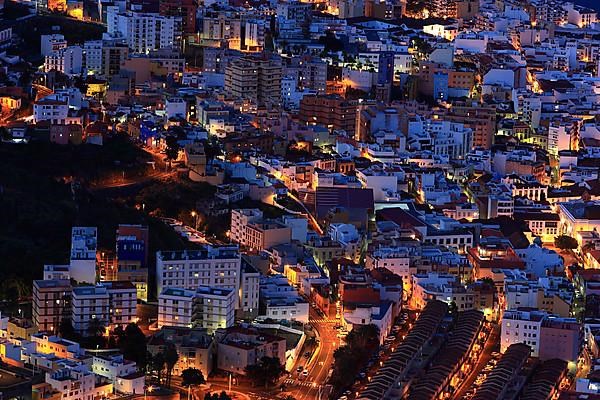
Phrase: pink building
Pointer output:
(560, 338)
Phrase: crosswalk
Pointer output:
(324, 320)
(300, 383)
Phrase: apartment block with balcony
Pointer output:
(89, 303)
(122, 303)
(213, 308)
(257, 79)
(214, 266)
(51, 303)
(175, 307)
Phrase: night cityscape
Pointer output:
(299, 200)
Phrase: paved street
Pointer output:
(486, 355)
(320, 363)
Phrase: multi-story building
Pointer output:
(480, 119)
(396, 260)
(548, 336)
(77, 382)
(239, 347)
(145, 32)
(175, 307)
(263, 235)
(280, 301)
(184, 9)
(113, 56)
(52, 110)
(250, 230)
(122, 373)
(522, 326)
(122, 303)
(132, 257)
(446, 288)
(196, 348)
(250, 289)
(561, 338)
(89, 303)
(213, 308)
(214, 266)
(542, 224)
(51, 43)
(309, 73)
(51, 303)
(68, 60)
(257, 79)
(206, 307)
(240, 219)
(332, 111)
(578, 217)
(83, 254)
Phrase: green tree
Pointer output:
(132, 343)
(363, 337)
(224, 396)
(565, 242)
(172, 150)
(361, 342)
(217, 396)
(265, 372)
(171, 358)
(65, 329)
(158, 364)
(192, 377)
(96, 327)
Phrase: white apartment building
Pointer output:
(250, 289)
(560, 136)
(207, 307)
(578, 216)
(395, 259)
(50, 109)
(122, 373)
(77, 382)
(213, 308)
(59, 347)
(522, 327)
(442, 287)
(175, 307)
(214, 266)
(67, 60)
(92, 51)
(51, 43)
(89, 303)
(380, 315)
(122, 303)
(383, 182)
(84, 244)
(57, 272)
(347, 235)
(279, 300)
(145, 32)
(239, 221)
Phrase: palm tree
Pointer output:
(171, 358)
(96, 327)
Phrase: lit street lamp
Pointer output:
(196, 217)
